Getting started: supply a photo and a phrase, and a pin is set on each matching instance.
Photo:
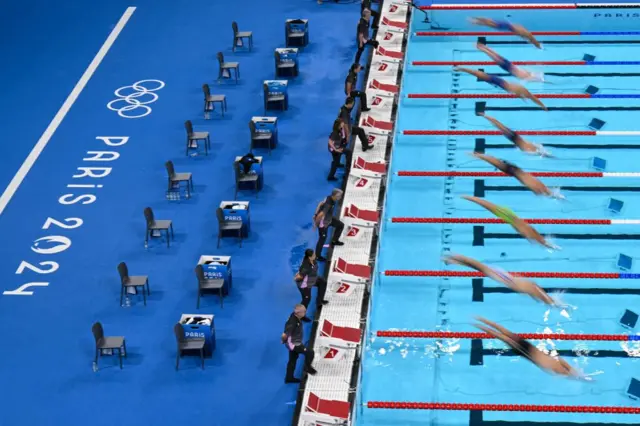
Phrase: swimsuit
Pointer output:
(510, 169)
(504, 275)
(524, 347)
(505, 64)
(511, 135)
(505, 214)
(497, 81)
(503, 26)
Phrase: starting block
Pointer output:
(362, 167)
(332, 335)
(368, 218)
(360, 273)
(319, 411)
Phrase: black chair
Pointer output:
(194, 137)
(239, 36)
(284, 68)
(296, 38)
(156, 225)
(136, 281)
(211, 100)
(177, 178)
(242, 177)
(185, 344)
(208, 284)
(227, 225)
(113, 343)
(273, 98)
(258, 138)
(225, 68)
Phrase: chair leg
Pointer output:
(122, 290)
(202, 357)
(198, 301)
(144, 295)
(187, 150)
(172, 236)
(178, 359)
(240, 235)
(221, 298)
(250, 42)
(256, 183)
(146, 238)
(218, 246)
(168, 244)
(235, 193)
(124, 346)
(95, 360)
(120, 357)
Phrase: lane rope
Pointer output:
(528, 336)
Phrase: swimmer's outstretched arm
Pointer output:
(489, 159)
(479, 74)
(537, 101)
(499, 125)
(484, 203)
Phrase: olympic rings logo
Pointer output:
(133, 101)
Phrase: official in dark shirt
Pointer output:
(366, 4)
(293, 339)
(307, 277)
(350, 86)
(363, 34)
(345, 116)
(338, 145)
(323, 218)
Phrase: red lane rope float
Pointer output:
(498, 174)
(474, 274)
(487, 63)
(480, 335)
(495, 96)
(498, 133)
(498, 6)
(496, 220)
(490, 33)
(393, 405)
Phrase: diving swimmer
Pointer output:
(523, 177)
(517, 284)
(525, 348)
(517, 29)
(516, 139)
(506, 65)
(516, 89)
(522, 227)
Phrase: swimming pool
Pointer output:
(474, 371)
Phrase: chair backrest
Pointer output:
(220, 215)
(206, 90)
(148, 215)
(178, 330)
(234, 26)
(124, 272)
(188, 126)
(98, 332)
(171, 171)
(220, 57)
(200, 274)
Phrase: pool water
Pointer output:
(427, 370)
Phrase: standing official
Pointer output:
(363, 34)
(338, 145)
(293, 338)
(323, 218)
(350, 86)
(345, 116)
